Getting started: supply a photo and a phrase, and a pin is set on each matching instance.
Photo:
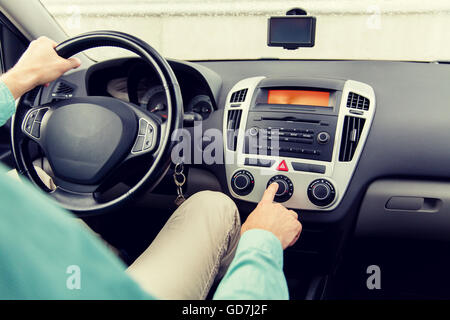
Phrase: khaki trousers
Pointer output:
(194, 248)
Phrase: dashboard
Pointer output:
(350, 135)
(134, 81)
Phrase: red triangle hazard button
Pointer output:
(282, 166)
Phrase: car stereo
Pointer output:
(306, 134)
(292, 121)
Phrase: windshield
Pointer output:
(414, 30)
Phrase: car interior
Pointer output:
(358, 148)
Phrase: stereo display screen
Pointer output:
(299, 97)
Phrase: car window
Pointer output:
(237, 29)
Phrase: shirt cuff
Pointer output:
(7, 103)
(263, 240)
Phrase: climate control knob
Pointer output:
(285, 188)
(321, 192)
(242, 182)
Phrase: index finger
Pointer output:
(270, 192)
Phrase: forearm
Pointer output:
(257, 270)
(13, 85)
(7, 103)
(19, 81)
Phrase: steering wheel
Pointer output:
(87, 139)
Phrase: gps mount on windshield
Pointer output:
(292, 31)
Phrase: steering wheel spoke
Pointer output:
(33, 122)
(148, 134)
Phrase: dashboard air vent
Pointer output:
(351, 134)
(356, 101)
(63, 91)
(233, 122)
(238, 96)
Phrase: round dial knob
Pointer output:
(242, 182)
(321, 192)
(285, 188)
(323, 137)
(253, 131)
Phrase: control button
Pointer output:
(36, 132)
(253, 131)
(41, 114)
(142, 127)
(33, 122)
(323, 137)
(294, 130)
(282, 166)
(242, 182)
(321, 192)
(285, 188)
(29, 125)
(297, 166)
(139, 144)
(33, 115)
(296, 140)
(259, 162)
(148, 141)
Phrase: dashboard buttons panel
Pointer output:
(242, 182)
(145, 139)
(321, 192)
(285, 188)
(32, 125)
(308, 138)
(289, 140)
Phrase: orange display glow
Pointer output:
(299, 97)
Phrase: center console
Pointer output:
(306, 134)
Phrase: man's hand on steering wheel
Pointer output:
(40, 64)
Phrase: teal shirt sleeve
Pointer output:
(256, 272)
(46, 254)
(7, 103)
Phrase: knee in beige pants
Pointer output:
(196, 246)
